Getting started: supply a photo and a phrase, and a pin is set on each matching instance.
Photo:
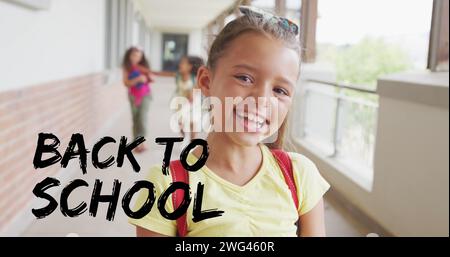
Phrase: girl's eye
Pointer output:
(281, 91)
(244, 78)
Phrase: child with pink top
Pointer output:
(137, 78)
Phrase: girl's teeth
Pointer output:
(253, 118)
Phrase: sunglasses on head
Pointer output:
(281, 21)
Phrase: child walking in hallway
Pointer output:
(137, 78)
(186, 81)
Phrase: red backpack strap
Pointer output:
(179, 174)
(285, 163)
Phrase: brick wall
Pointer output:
(78, 105)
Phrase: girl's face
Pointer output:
(184, 66)
(135, 57)
(255, 67)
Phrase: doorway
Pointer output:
(174, 48)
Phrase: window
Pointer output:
(356, 43)
(268, 5)
(360, 41)
(123, 28)
(438, 53)
(293, 10)
(340, 123)
(288, 8)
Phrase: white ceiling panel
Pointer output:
(179, 15)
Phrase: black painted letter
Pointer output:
(39, 191)
(106, 163)
(125, 149)
(182, 208)
(81, 208)
(169, 142)
(112, 199)
(78, 140)
(198, 214)
(201, 161)
(43, 148)
(148, 204)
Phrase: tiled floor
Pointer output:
(338, 221)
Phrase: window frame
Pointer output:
(438, 45)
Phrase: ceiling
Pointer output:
(181, 15)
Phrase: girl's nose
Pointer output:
(263, 94)
(265, 102)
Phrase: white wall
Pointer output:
(40, 46)
(411, 183)
(196, 44)
(135, 33)
(155, 53)
(147, 40)
(411, 180)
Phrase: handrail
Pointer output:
(339, 98)
(355, 100)
(335, 84)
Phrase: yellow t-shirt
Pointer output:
(262, 207)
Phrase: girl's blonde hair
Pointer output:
(253, 23)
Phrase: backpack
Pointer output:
(180, 175)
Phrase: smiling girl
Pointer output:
(262, 191)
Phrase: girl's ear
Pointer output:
(204, 80)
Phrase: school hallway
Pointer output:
(338, 221)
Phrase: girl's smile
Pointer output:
(252, 122)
